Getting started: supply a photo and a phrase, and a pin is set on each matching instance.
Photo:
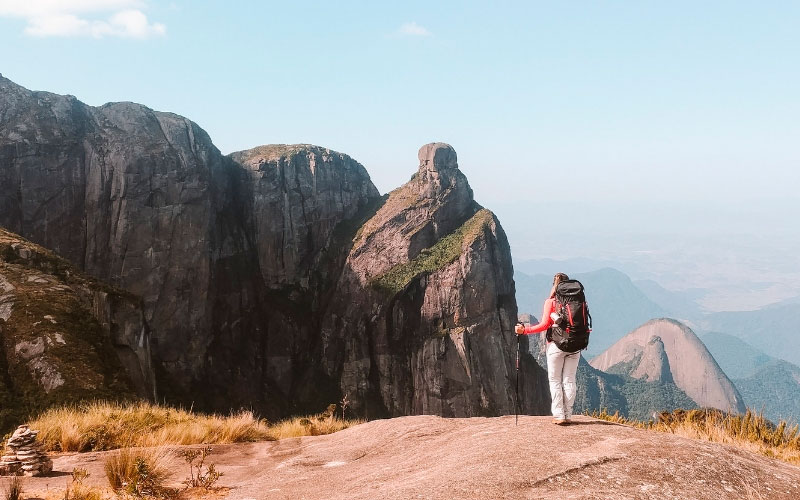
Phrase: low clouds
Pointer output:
(413, 29)
(87, 18)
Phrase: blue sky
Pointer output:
(642, 100)
(678, 118)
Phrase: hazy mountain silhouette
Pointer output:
(774, 329)
(737, 358)
(680, 305)
(766, 384)
(574, 265)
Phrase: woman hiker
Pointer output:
(561, 366)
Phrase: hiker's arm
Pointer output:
(545, 322)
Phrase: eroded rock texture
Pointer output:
(275, 278)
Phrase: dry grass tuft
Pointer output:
(750, 431)
(139, 472)
(310, 426)
(101, 426)
(14, 489)
(78, 491)
(108, 426)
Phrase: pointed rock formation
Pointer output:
(664, 347)
(653, 364)
(433, 273)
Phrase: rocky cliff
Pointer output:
(275, 278)
(662, 349)
(63, 335)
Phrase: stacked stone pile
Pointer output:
(24, 456)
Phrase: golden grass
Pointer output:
(102, 425)
(750, 431)
(138, 471)
(78, 491)
(310, 426)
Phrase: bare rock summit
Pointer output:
(485, 458)
(664, 348)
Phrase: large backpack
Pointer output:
(571, 331)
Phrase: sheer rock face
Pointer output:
(664, 347)
(298, 194)
(256, 270)
(653, 365)
(137, 198)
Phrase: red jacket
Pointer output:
(546, 321)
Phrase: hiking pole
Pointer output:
(516, 390)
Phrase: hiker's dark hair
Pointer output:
(558, 278)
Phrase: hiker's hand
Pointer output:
(519, 329)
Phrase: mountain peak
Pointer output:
(439, 178)
(665, 347)
(654, 362)
(437, 156)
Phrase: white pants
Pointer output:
(561, 369)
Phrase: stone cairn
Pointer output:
(24, 456)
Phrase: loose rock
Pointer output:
(24, 456)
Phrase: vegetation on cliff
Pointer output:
(445, 251)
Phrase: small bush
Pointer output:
(14, 489)
(200, 475)
(76, 490)
(79, 474)
(138, 472)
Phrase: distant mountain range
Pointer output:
(766, 384)
(737, 358)
(774, 329)
(679, 305)
(619, 305)
(774, 389)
